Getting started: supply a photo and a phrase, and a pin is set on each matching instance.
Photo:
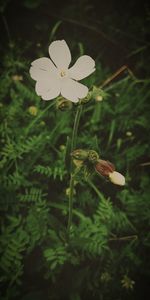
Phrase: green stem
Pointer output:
(73, 145)
(124, 238)
(75, 127)
(92, 185)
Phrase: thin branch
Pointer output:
(145, 164)
(124, 238)
(116, 74)
(72, 179)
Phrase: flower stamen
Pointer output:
(62, 73)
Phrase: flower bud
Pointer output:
(42, 123)
(86, 99)
(68, 192)
(80, 154)
(93, 156)
(117, 178)
(63, 104)
(62, 147)
(104, 167)
(107, 169)
(17, 77)
(99, 98)
(128, 133)
(98, 94)
(33, 110)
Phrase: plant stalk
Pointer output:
(73, 145)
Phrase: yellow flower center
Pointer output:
(62, 73)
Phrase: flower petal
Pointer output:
(42, 68)
(60, 54)
(73, 90)
(48, 89)
(83, 67)
(104, 167)
(117, 178)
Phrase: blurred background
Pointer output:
(107, 257)
(117, 31)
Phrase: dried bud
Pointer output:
(80, 154)
(117, 178)
(93, 156)
(127, 282)
(104, 167)
(64, 104)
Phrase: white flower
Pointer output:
(53, 77)
(117, 178)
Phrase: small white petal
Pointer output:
(60, 54)
(117, 178)
(48, 90)
(83, 67)
(73, 90)
(42, 68)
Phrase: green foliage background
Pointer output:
(110, 239)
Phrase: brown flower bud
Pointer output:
(104, 167)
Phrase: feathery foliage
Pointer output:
(107, 253)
